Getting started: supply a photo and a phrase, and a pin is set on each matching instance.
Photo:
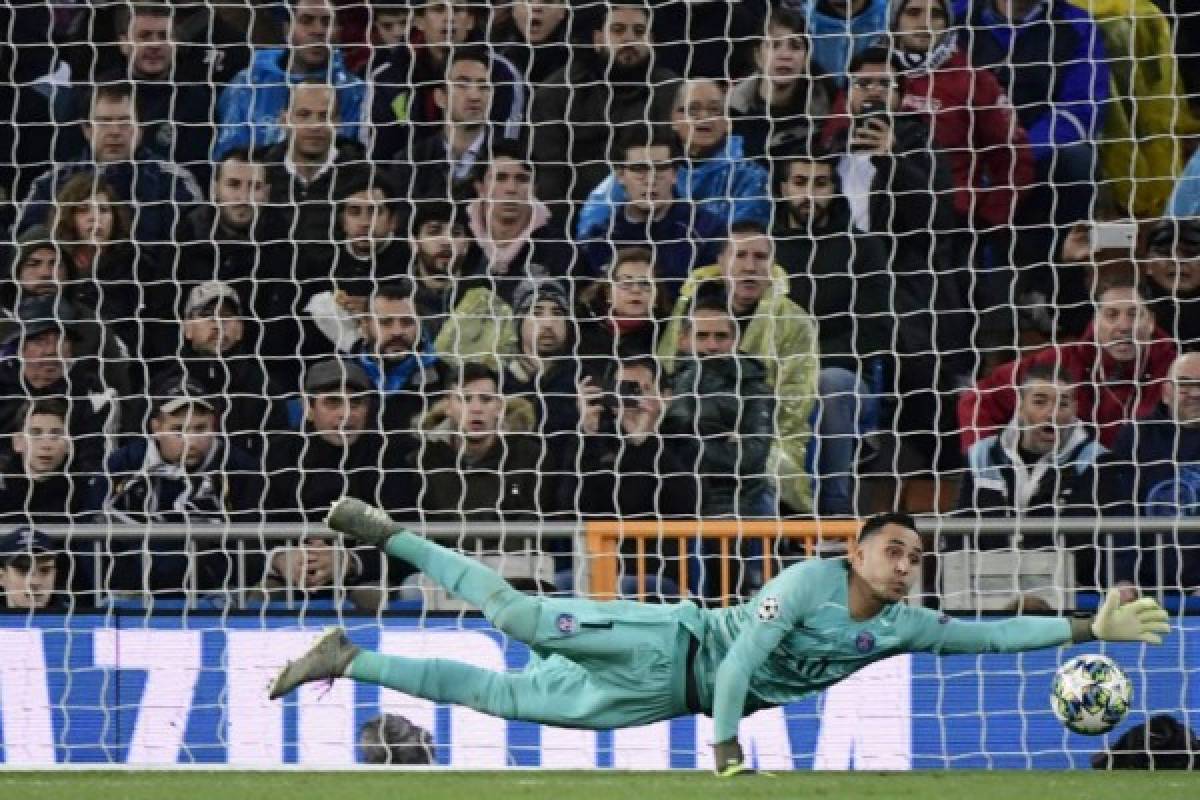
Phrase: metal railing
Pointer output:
(596, 544)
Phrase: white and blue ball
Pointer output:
(1091, 695)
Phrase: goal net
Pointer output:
(627, 300)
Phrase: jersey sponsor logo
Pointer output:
(566, 624)
(768, 609)
(864, 642)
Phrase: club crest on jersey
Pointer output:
(566, 624)
(768, 609)
(864, 642)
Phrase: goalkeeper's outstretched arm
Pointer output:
(1142, 620)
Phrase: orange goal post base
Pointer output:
(604, 540)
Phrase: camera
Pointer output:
(627, 394)
(872, 109)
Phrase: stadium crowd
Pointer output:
(535, 260)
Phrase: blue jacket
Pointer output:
(1153, 470)
(161, 192)
(727, 185)
(834, 42)
(253, 102)
(398, 377)
(1052, 65)
(1185, 200)
(679, 242)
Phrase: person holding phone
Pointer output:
(897, 184)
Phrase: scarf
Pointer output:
(934, 57)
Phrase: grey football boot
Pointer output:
(327, 659)
(363, 522)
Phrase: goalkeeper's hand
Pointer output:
(729, 759)
(1142, 620)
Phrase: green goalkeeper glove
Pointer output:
(729, 759)
(1143, 620)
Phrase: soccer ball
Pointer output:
(1091, 695)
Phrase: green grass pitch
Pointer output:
(528, 785)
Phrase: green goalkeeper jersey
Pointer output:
(797, 636)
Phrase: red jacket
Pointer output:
(1109, 392)
(975, 125)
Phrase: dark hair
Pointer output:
(399, 288)
(364, 179)
(435, 211)
(513, 149)
(748, 226)
(472, 371)
(637, 5)
(808, 150)
(780, 17)
(23, 562)
(648, 363)
(875, 54)
(124, 13)
(643, 135)
(111, 90)
(710, 296)
(479, 53)
(242, 154)
(52, 406)
(878, 522)
(1049, 373)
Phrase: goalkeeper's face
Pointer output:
(888, 561)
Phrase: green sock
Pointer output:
(438, 680)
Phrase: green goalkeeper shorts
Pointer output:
(606, 665)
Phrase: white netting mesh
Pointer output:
(554, 280)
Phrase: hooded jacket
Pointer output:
(998, 482)
(139, 486)
(975, 126)
(782, 339)
(1145, 126)
(1153, 470)
(468, 320)
(507, 483)
(252, 105)
(727, 407)
(1109, 392)
(836, 41)
(1052, 64)
(726, 185)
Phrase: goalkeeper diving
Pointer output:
(616, 664)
